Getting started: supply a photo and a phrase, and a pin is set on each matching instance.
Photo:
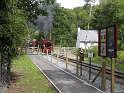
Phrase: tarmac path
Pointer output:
(63, 81)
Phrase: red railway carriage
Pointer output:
(45, 45)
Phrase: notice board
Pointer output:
(107, 41)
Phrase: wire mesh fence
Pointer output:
(4, 76)
(5, 61)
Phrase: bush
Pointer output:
(120, 55)
(122, 47)
(94, 50)
(75, 51)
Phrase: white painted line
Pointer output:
(76, 77)
(47, 77)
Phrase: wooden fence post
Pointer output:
(51, 56)
(81, 59)
(47, 52)
(77, 66)
(57, 56)
(103, 81)
(66, 61)
(113, 61)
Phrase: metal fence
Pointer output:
(66, 59)
(5, 60)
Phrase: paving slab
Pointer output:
(63, 81)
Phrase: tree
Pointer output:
(64, 27)
(105, 15)
(108, 13)
(31, 9)
(82, 16)
(13, 31)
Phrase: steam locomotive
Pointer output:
(45, 45)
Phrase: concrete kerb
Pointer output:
(76, 77)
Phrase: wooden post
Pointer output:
(43, 50)
(38, 48)
(90, 69)
(113, 61)
(57, 56)
(47, 53)
(66, 61)
(77, 65)
(25, 49)
(103, 82)
(81, 59)
(33, 50)
(51, 56)
(64, 49)
(81, 66)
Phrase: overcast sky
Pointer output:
(72, 3)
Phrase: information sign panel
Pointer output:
(111, 42)
(108, 42)
(103, 42)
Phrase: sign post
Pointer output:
(66, 61)
(103, 81)
(108, 48)
(112, 51)
(103, 53)
(90, 55)
(77, 66)
(81, 59)
(113, 74)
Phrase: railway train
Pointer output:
(44, 45)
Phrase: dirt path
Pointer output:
(15, 87)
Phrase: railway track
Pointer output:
(118, 74)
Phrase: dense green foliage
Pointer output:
(64, 27)
(13, 25)
(66, 21)
(30, 8)
(13, 31)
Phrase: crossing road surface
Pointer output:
(63, 81)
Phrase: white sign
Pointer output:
(90, 54)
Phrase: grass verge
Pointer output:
(26, 78)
